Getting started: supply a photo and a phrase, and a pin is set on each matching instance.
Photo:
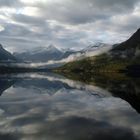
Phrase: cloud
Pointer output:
(9, 3)
(81, 11)
(66, 23)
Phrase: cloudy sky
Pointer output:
(26, 24)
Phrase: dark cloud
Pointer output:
(14, 30)
(75, 128)
(113, 4)
(81, 11)
(88, 129)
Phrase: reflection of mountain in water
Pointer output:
(5, 83)
(126, 88)
(119, 85)
(43, 84)
(51, 83)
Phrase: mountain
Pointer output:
(45, 54)
(41, 54)
(122, 57)
(53, 55)
(5, 55)
(71, 55)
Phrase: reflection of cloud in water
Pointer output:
(74, 128)
(7, 137)
(78, 128)
(70, 113)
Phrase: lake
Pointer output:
(47, 106)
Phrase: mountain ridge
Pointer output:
(41, 54)
(52, 53)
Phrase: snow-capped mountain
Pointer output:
(41, 54)
(45, 54)
(50, 49)
(86, 52)
(90, 51)
(52, 57)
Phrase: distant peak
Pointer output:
(51, 47)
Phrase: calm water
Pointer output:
(38, 106)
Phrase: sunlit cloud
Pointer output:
(30, 11)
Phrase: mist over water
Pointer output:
(42, 106)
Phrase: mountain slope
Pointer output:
(122, 57)
(5, 55)
(132, 42)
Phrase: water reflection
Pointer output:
(48, 106)
(119, 85)
(5, 83)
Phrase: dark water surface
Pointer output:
(44, 106)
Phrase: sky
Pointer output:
(27, 24)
